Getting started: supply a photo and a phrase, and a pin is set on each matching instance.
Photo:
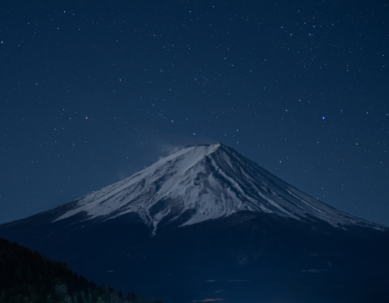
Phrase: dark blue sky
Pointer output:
(93, 91)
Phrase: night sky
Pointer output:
(94, 91)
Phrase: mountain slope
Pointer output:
(27, 276)
(206, 223)
(209, 182)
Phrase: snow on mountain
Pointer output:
(207, 182)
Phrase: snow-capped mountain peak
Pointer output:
(205, 182)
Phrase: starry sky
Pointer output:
(94, 91)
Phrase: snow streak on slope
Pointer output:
(206, 182)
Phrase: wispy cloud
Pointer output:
(168, 149)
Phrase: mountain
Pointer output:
(207, 224)
(201, 183)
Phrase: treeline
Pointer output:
(29, 277)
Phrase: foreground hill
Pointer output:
(29, 277)
(207, 224)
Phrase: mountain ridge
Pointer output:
(209, 181)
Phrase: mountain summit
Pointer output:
(207, 224)
(205, 182)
